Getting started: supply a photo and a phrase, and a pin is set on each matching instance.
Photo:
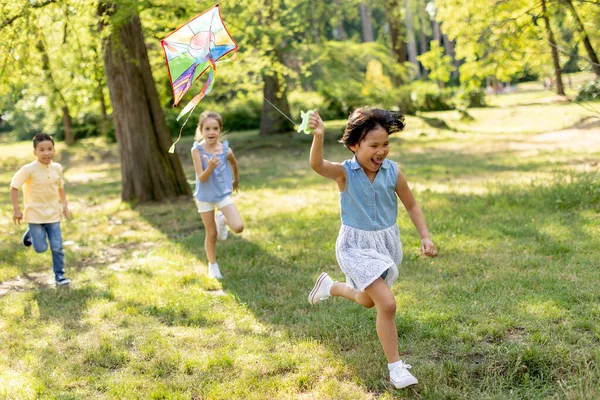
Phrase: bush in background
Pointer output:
(589, 91)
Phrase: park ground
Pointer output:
(510, 308)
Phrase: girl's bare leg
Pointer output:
(210, 241)
(342, 290)
(233, 218)
(385, 302)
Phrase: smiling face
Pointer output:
(44, 151)
(372, 149)
(211, 130)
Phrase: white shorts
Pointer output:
(204, 206)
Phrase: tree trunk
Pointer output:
(271, 120)
(67, 126)
(423, 40)
(148, 171)
(557, 71)
(412, 44)
(104, 114)
(586, 40)
(396, 35)
(437, 34)
(340, 31)
(367, 26)
(57, 96)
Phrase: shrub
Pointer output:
(589, 91)
(474, 98)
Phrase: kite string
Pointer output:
(281, 112)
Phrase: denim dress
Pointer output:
(368, 245)
(219, 185)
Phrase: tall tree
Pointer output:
(553, 48)
(57, 98)
(148, 171)
(367, 24)
(595, 64)
(412, 43)
(339, 31)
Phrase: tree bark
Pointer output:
(412, 44)
(586, 40)
(341, 32)
(67, 122)
(557, 70)
(148, 171)
(367, 26)
(103, 113)
(271, 120)
(396, 35)
(423, 40)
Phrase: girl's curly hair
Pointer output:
(365, 119)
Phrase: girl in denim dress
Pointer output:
(214, 184)
(368, 248)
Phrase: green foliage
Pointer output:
(589, 91)
(440, 65)
(474, 98)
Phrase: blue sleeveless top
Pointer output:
(219, 185)
(369, 206)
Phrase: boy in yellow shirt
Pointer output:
(45, 203)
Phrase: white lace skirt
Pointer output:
(365, 255)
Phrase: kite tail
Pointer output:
(189, 108)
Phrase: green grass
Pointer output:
(509, 309)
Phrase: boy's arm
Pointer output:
(17, 214)
(234, 169)
(63, 200)
(415, 214)
(201, 173)
(321, 166)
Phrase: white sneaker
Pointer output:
(321, 290)
(222, 230)
(214, 271)
(400, 377)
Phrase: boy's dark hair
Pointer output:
(365, 119)
(41, 137)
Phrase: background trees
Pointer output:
(56, 77)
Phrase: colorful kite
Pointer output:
(192, 49)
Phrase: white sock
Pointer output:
(210, 265)
(394, 364)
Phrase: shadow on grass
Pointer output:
(272, 279)
(67, 305)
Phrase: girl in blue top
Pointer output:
(214, 185)
(368, 247)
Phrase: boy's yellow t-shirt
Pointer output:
(40, 183)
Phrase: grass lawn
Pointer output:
(508, 310)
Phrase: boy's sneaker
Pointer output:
(62, 281)
(321, 290)
(27, 239)
(400, 377)
(221, 226)
(214, 271)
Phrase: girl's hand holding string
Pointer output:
(235, 185)
(428, 248)
(316, 124)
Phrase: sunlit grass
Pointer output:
(508, 310)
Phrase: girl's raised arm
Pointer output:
(328, 169)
